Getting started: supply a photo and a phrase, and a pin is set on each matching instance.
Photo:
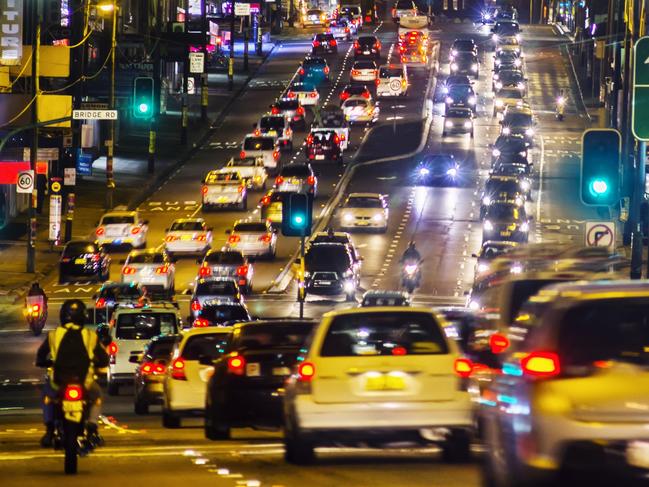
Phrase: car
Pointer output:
(314, 70)
(382, 400)
(227, 264)
(519, 121)
(187, 236)
(507, 12)
(353, 23)
(501, 188)
(463, 46)
(131, 330)
(385, 298)
(246, 387)
(223, 188)
(333, 118)
(505, 220)
(508, 44)
(297, 178)
(465, 63)
(355, 90)
(306, 93)
(413, 55)
(508, 146)
(507, 60)
(213, 290)
(314, 17)
(219, 313)
(353, 12)
(455, 79)
(505, 28)
(508, 79)
(413, 39)
(461, 96)
(358, 109)
(437, 169)
(364, 211)
(324, 145)
(271, 207)
(507, 97)
(324, 43)
(338, 237)
(367, 47)
(151, 268)
(252, 238)
(122, 227)
(82, 260)
(292, 109)
(330, 270)
(148, 380)
(517, 167)
(403, 8)
(363, 71)
(112, 295)
(489, 251)
(578, 345)
(277, 126)
(264, 146)
(251, 170)
(392, 81)
(186, 378)
(341, 29)
(458, 120)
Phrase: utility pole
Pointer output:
(245, 42)
(184, 112)
(110, 181)
(231, 60)
(205, 39)
(33, 153)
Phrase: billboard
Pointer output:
(11, 32)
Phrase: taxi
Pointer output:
(271, 207)
(251, 170)
(508, 97)
(392, 81)
(252, 238)
(277, 126)
(264, 146)
(223, 188)
(306, 93)
(296, 177)
(358, 109)
(188, 236)
(363, 71)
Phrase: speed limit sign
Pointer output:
(25, 182)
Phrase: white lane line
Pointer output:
(541, 166)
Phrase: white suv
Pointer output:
(392, 81)
(377, 373)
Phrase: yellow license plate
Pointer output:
(385, 383)
(80, 261)
(72, 406)
(505, 234)
(186, 237)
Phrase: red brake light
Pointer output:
(163, 269)
(236, 365)
(377, 82)
(171, 238)
(311, 180)
(301, 71)
(201, 323)
(204, 189)
(541, 364)
(463, 367)
(234, 239)
(135, 230)
(127, 271)
(100, 304)
(265, 200)
(356, 45)
(257, 132)
(112, 348)
(201, 238)
(306, 371)
(279, 180)
(355, 72)
(332, 42)
(100, 231)
(316, 43)
(196, 306)
(313, 94)
(276, 154)
(242, 270)
(399, 351)
(347, 30)
(146, 368)
(300, 110)
(178, 369)
(274, 111)
(290, 94)
(73, 393)
(366, 94)
(204, 271)
(498, 343)
(309, 139)
(265, 238)
(344, 95)
(326, 70)
(242, 154)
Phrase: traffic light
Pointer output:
(297, 209)
(600, 167)
(143, 98)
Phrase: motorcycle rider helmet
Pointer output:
(73, 311)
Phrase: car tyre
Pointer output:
(140, 407)
(298, 451)
(457, 448)
(63, 279)
(113, 389)
(215, 429)
(170, 420)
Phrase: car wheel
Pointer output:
(113, 389)
(457, 448)
(170, 420)
(140, 407)
(214, 428)
(63, 279)
(297, 450)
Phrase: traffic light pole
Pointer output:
(301, 284)
(110, 144)
(637, 236)
(231, 59)
(33, 154)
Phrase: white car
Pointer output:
(264, 146)
(458, 121)
(305, 93)
(254, 239)
(213, 290)
(341, 29)
(151, 268)
(251, 170)
(364, 211)
(188, 236)
(186, 380)
(277, 126)
(223, 188)
(315, 18)
(121, 227)
(392, 81)
(358, 109)
(131, 330)
(363, 71)
(374, 373)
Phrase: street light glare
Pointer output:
(106, 7)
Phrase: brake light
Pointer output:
(344, 95)
(236, 365)
(241, 188)
(355, 72)
(234, 239)
(204, 189)
(127, 271)
(336, 140)
(196, 306)
(377, 45)
(178, 369)
(301, 71)
(463, 367)
(279, 180)
(326, 70)
(357, 45)
(171, 238)
(290, 94)
(311, 180)
(300, 110)
(394, 12)
(100, 231)
(541, 364)
(112, 348)
(265, 200)
(163, 269)
(204, 271)
(265, 238)
(332, 42)
(276, 155)
(274, 111)
(399, 351)
(201, 323)
(306, 372)
(316, 43)
(242, 270)
(498, 343)
(257, 132)
(347, 30)
(73, 393)
(313, 94)
(366, 94)
(377, 82)
(309, 139)
(201, 238)
(36, 308)
(100, 304)
(151, 368)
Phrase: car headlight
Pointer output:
(487, 16)
(449, 100)
(424, 171)
(467, 125)
(483, 267)
(472, 100)
(453, 67)
(494, 37)
(495, 152)
(452, 172)
(486, 200)
(349, 286)
(411, 269)
(529, 132)
(445, 90)
(517, 62)
(378, 217)
(506, 130)
(518, 201)
(525, 227)
(487, 225)
(474, 67)
(499, 85)
(474, 305)
(454, 52)
(516, 269)
(499, 103)
(348, 217)
(521, 86)
(497, 62)
(448, 124)
(525, 185)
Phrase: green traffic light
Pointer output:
(298, 219)
(143, 107)
(598, 187)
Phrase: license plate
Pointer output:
(505, 234)
(366, 52)
(362, 223)
(80, 261)
(319, 157)
(253, 370)
(72, 406)
(323, 283)
(222, 199)
(385, 383)
(637, 454)
(281, 371)
(186, 237)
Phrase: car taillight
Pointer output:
(73, 393)
(201, 323)
(112, 348)
(332, 43)
(241, 188)
(290, 94)
(257, 132)
(377, 82)
(265, 238)
(305, 372)
(463, 367)
(178, 369)
(242, 154)
(201, 238)
(100, 304)
(274, 111)
(163, 269)
(204, 271)
(276, 154)
(326, 70)
(234, 238)
(135, 230)
(128, 271)
(279, 180)
(498, 343)
(301, 71)
(394, 12)
(316, 43)
(236, 365)
(300, 110)
(355, 72)
(196, 306)
(311, 180)
(366, 94)
(346, 30)
(356, 45)
(242, 270)
(377, 45)
(151, 368)
(313, 94)
(541, 364)
(36, 308)
(344, 95)
(265, 200)
(203, 189)
(171, 238)
(100, 231)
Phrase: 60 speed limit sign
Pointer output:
(25, 182)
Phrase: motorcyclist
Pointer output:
(37, 290)
(411, 254)
(72, 354)
(561, 102)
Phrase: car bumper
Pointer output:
(183, 396)
(387, 92)
(514, 236)
(250, 249)
(188, 247)
(458, 129)
(362, 79)
(163, 282)
(128, 240)
(360, 224)
(223, 200)
(262, 406)
(152, 392)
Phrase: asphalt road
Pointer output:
(444, 222)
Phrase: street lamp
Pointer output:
(110, 8)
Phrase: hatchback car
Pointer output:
(82, 260)
(364, 72)
(314, 70)
(404, 384)
(151, 268)
(461, 96)
(324, 43)
(122, 227)
(252, 239)
(306, 93)
(367, 47)
(505, 221)
(150, 372)
(437, 169)
(220, 313)
(292, 109)
(227, 264)
(364, 211)
(297, 178)
(213, 290)
(187, 236)
(330, 270)
(461, 46)
(392, 81)
(358, 109)
(458, 121)
(355, 90)
(519, 121)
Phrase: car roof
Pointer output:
(386, 293)
(335, 234)
(120, 213)
(150, 250)
(203, 280)
(379, 309)
(365, 195)
(149, 308)
(186, 220)
(274, 321)
(207, 330)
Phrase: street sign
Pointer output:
(94, 114)
(600, 234)
(196, 62)
(25, 182)
(88, 105)
(84, 164)
(241, 9)
(640, 105)
(69, 176)
(56, 187)
(55, 217)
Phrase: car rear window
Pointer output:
(453, 113)
(228, 258)
(510, 93)
(390, 72)
(500, 186)
(314, 61)
(211, 345)
(366, 40)
(222, 177)
(460, 90)
(250, 227)
(404, 4)
(140, 326)
(517, 120)
(361, 202)
(219, 288)
(258, 143)
(127, 291)
(296, 170)
(325, 256)
(146, 258)
(364, 65)
(78, 248)
(224, 314)
(386, 333)
(186, 227)
(272, 123)
(260, 336)
(503, 211)
(160, 349)
(118, 220)
(464, 45)
(288, 104)
(384, 301)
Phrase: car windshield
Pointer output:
(460, 91)
(314, 12)
(301, 170)
(510, 144)
(501, 186)
(160, 349)
(516, 169)
(227, 258)
(146, 258)
(511, 77)
(404, 4)
(271, 335)
(328, 257)
(271, 123)
(258, 143)
(117, 293)
(79, 248)
(517, 120)
(387, 333)
(363, 202)
(390, 72)
(118, 220)
(452, 113)
(463, 45)
(288, 104)
(364, 65)
(250, 227)
(503, 212)
(510, 93)
(443, 161)
(465, 57)
(216, 288)
(211, 345)
(507, 28)
(321, 136)
(350, 9)
(144, 326)
(224, 313)
(457, 80)
(222, 177)
(186, 226)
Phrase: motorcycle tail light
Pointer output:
(73, 393)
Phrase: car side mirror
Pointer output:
(205, 360)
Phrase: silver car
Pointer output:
(227, 263)
(151, 268)
(213, 290)
(255, 239)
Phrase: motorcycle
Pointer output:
(35, 313)
(410, 275)
(560, 108)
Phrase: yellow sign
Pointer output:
(53, 62)
(51, 107)
(56, 187)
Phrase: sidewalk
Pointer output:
(133, 183)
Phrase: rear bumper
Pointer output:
(187, 247)
(251, 250)
(262, 406)
(181, 397)
(223, 200)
